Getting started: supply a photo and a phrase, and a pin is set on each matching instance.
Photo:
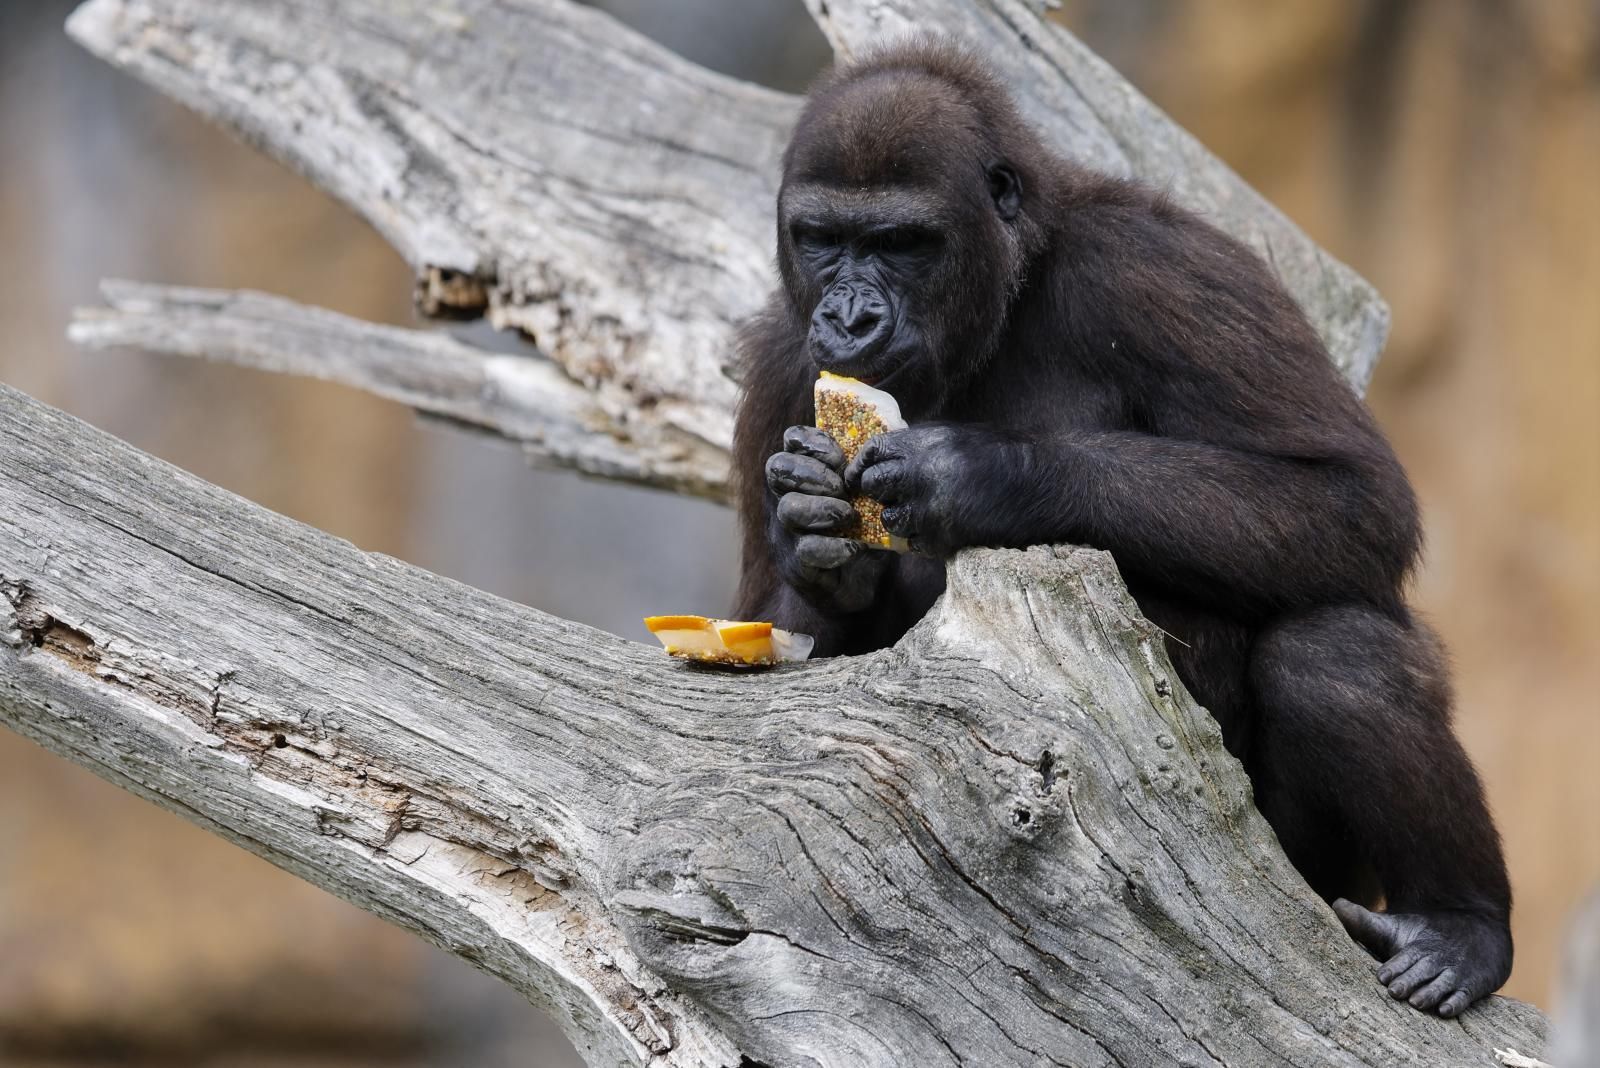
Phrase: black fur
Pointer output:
(1082, 361)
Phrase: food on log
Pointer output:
(727, 641)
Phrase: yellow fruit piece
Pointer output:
(744, 632)
(750, 642)
(687, 636)
(721, 641)
(660, 623)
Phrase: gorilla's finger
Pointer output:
(1414, 977)
(791, 473)
(898, 521)
(1378, 932)
(808, 513)
(1436, 991)
(825, 554)
(878, 450)
(886, 482)
(815, 443)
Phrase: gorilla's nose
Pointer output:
(852, 322)
(858, 318)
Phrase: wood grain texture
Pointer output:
(1012, 839)
(543, 165)
(534, 160)
(528, 400)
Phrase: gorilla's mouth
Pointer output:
(883, 373)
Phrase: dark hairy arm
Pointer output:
(1243, 473)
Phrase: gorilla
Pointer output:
(1081, 360)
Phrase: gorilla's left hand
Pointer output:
(941, 484)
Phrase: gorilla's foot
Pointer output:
(1439, 961)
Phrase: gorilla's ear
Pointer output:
(1006, 189)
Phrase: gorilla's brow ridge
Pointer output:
(882, 202)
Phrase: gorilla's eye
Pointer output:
(905, 241)
(815, 238)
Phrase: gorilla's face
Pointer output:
(905, 288)
(898, 237)
(870, 272)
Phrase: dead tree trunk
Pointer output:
(1011, 839)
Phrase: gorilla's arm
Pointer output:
(1249, 477)
(1249, 531)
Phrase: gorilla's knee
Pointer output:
(1349, 661)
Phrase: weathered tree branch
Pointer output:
(1011, 839)
(526, 399)
(541, 164)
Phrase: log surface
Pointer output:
(1011, 839)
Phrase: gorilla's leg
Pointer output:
(1358, 762)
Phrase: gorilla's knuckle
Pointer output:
(898, 521)
(807, 512)
(882, 480)
(814, 442)
(779, 466)
(791, 472)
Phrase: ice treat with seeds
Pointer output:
(853, 412)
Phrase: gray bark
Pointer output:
(1013, 838)
(539, 163)
(524, 398)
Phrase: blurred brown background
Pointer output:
(1449, 150)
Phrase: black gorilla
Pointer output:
(1082, 361)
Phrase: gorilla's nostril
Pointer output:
(863, 323)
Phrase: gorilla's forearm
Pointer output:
(1250, 532)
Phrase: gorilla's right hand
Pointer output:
(837, 575)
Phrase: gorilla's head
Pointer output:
(905, 218)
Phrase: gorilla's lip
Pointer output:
(873, 369)
(874, 377)
(880, 378)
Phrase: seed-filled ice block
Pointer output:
(853, 412)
